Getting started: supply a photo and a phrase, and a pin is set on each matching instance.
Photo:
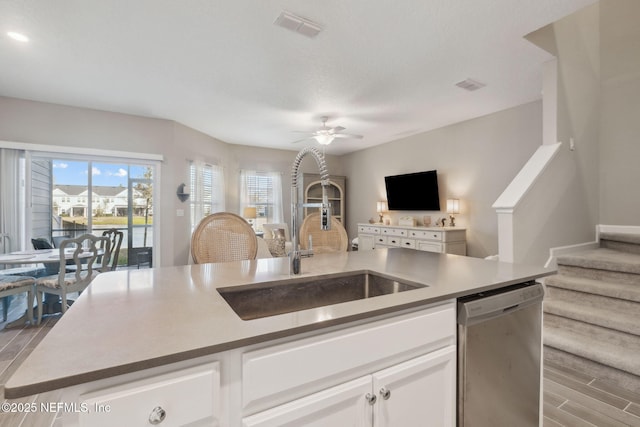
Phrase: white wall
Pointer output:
(620, 119)
(475, 160)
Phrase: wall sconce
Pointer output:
(381, 207)
(183, 192)
(453, 207)
(250, 213)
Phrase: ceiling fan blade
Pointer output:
(347, 135)
(302, 140)
(337, 129)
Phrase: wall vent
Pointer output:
(298, 24)
(470, 84)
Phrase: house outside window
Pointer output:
(262, 190)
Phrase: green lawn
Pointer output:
(109, 220)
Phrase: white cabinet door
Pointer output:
(365, 242)
(343, 405)
(419, 392)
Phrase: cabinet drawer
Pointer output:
(429, 246)
(187, 396)
(423, 234)
(366, 229)
(408, 243)
(400, 232)
(274, 375)
(432, 235)
(394, 241)
(381, 240)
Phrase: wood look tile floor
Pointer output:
(570, 398)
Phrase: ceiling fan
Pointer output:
(326, 134)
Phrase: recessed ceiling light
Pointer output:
(18, 36)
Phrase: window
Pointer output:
(207, 190)
(264, 191)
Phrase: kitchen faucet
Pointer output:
(295, 255)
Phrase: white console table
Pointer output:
(449, 240)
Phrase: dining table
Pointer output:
(32, 257)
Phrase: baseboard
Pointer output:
(626, 229)
(554, 253)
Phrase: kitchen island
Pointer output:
(132, 330)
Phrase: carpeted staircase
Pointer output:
(592, 311)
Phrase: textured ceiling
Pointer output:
(379, 68)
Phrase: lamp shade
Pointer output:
(453, 206)
(382, 207)
(324, 139)
(250, 212)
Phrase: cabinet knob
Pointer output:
(385, 393)
(371, 398)
(157, 415)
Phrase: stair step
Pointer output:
(627, 291)
(602, 372)
(616, 314)
(621, 237)
(602, 345)
(603, 259)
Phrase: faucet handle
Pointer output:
(325, 217)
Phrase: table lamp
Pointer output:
(453, 207)
(250, 213)
(381, 207)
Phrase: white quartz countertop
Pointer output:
(136, 319)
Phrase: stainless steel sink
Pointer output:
(268, 299)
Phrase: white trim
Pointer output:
(528, 175)
(627, 229)
(554, 253)
(64, 149)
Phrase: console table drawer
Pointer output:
(366, 229)
(381, 240)
(408, 243)
(431, 235)
(429, 246)
(400, 232)
(393, 241)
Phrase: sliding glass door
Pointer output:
(71, 197)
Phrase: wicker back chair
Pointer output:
(333, 240)
(222, 237)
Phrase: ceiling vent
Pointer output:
(298, 24)
(470, 85)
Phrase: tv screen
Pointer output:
(413, 191)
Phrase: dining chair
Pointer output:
(12, 285)
(83, 251)
(115, 241)
(323, 241)
(222, 237)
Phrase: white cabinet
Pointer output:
(335, 193)
(398, 371)
(449, 240)
(418, 392)
(343, 405)
(184, 397)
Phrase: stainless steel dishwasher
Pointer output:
(499, 349)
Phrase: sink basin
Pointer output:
(268, 299)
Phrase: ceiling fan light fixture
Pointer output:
(324, 139)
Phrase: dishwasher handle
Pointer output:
(481, 309)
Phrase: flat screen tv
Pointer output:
(413, 191)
